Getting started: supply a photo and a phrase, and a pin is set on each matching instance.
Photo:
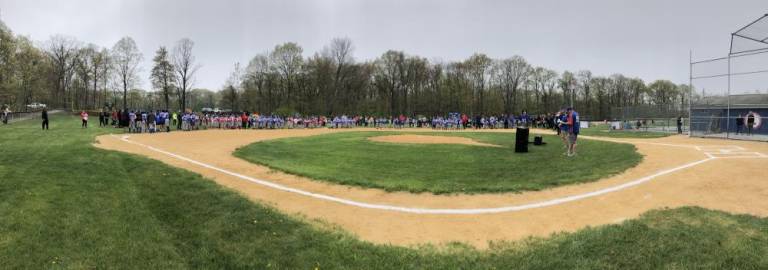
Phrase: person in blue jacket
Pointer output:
(524, 119)
(573, 130)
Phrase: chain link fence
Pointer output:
(730, 94)
(651, 118)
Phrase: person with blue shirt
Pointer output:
(573, 131)
(524, 119)
(160, 121)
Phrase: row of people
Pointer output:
(148, 121)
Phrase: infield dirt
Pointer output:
(428, 139)
(737, 184)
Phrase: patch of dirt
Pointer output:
(426, 139)
(734, 185)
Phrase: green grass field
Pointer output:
(603, 131)
(67, 205)
(350, 158)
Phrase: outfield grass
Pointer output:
(604, 131)
(67, 205)
(350, 158)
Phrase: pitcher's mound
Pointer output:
(426, 139)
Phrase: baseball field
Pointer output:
(375, 199)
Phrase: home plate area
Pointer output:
(729, 151)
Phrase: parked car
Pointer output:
(36, 106)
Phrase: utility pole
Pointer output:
(690, 93)
(571, 85)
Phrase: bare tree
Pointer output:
(584, 79)
(163, 75)
(29, 64)
(340, 51)
(550, 80)
(62, 52)
(286, 59)
(98, 67)
(236, 77)
(126, 57)
(479, 72)
(185, 66)
(232, 87)
(511, 73)
(388, 77)
(105, 61)
(84, 75)
(257, 79)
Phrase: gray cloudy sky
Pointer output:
(649, 39)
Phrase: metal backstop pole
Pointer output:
(728, 110)
(690, 93)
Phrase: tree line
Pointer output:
(65, 73)
(331, 82)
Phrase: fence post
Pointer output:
(728, 111)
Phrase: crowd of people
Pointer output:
(139, 121)
(565, 122)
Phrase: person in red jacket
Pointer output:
(244, 120)
(115, 117)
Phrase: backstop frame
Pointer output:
(754, 34)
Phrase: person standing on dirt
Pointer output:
(45, 119)
(151, 122)
(244, 120)
(740, 124)
(679, 125)
(125, 120)
(177, 119)
(573, 131)
(167, 119)
(160, 121)
(132, 122)
(750, 123)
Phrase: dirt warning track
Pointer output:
(676, 171)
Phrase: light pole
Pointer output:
(572, 86)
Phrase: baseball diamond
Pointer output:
(418, 134)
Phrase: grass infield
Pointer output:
(67, 205)
(349, 158)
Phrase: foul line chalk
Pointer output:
(440, 211)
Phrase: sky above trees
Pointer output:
(649, 39)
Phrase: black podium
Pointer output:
(521, 140)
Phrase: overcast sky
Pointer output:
(649, 39)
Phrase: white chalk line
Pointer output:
(429, 210)
(711, 151)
